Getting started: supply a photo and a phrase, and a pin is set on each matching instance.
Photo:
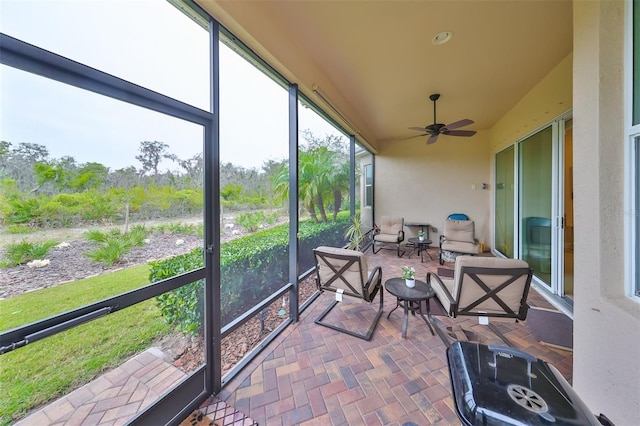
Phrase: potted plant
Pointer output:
(354, 234)
(409, 276)
(421, 235)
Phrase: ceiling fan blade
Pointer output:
(420, 129)
(410, 137)
(460, 133)
(432, 139)
(458, 124)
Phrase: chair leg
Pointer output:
(437, 325)
(500, 335)
(368, 334)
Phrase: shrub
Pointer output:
(271, 218)
(20, 210)
(251, 268)
(251, 221)
(178, 228)
(114, 244)
(23, 252)
(110, 252)
(182, 307)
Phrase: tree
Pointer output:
(32, 152)
(323, 173)
(194, 168)
(90, 175)
(339, 183)
(151, 153)
(5, 151)
(125, 178)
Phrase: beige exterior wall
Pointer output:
(428, 182)
(548, 100)
(607, 323)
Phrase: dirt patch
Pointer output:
(187, 353)
(70, 263)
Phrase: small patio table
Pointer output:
(412, 299)
(421, 246)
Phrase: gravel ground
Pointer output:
(70, 263)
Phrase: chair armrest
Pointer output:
(375, 274)
(440, 284)
(400, 236)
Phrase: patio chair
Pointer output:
(458, 237)
(344, 272)
(485, 287)
(390, 231)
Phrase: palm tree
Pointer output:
(322, 173)
(339, 182)
(310, 178)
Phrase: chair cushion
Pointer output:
(356, 274)
(459, 230)
(386, 238)
(441, 293)
(460, 247)
(391, 225)
(471, 292)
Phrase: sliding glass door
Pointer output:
(504, 202)
(536, 199)
(533, 205)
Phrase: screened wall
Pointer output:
(200, 192)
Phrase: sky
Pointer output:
(150, 43)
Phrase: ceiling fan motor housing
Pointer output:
(436, 128)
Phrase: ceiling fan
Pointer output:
(436, 129)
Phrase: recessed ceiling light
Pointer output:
(442, 38)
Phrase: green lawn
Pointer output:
(45, 370)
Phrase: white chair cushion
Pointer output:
(472, 292)
(459, 230)
(356, 275)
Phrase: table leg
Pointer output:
(406, 319)
(397, 304)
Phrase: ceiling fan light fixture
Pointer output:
(442, 38)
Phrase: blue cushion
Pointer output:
(458, 216)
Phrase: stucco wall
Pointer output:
(606, 323)
(428, 182)
(549, 99)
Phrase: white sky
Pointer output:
(150, 43)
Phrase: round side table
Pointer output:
(411, 299)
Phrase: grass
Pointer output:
(45, 370)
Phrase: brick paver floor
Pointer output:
(313, 375)
(114, 398)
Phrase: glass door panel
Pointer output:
(536, 176)
(504, 202)
(567, 271)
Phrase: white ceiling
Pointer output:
(376, 62)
